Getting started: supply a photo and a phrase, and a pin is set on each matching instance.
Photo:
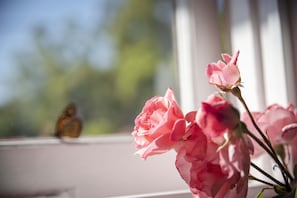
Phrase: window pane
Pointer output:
(107, 57)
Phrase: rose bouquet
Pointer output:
(215, 144)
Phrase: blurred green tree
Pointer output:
(59, 71)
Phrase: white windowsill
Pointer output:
(95, 160)
(53, 141)
(252, 192)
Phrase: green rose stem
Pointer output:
(272, 155)
(251, 177)
(265, 174)
(287, 185)
(285, 173)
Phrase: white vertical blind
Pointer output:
(288, 19)
(244, 38)
(184, 26)
(256, 30)
(276, 89)
(198, 44)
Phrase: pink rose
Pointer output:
(211, 170)
(224, 75)
(216, 116)
(159, 126)
(279, 123)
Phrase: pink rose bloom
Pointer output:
(225, 75)
(279, 123)
(159, 126)
(212, 171)
(216, 116)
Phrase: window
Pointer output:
(107, 57)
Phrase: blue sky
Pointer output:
(17, 18)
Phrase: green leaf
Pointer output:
(260, 194)
(295, 171)
(291, 194)
(280, 189)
